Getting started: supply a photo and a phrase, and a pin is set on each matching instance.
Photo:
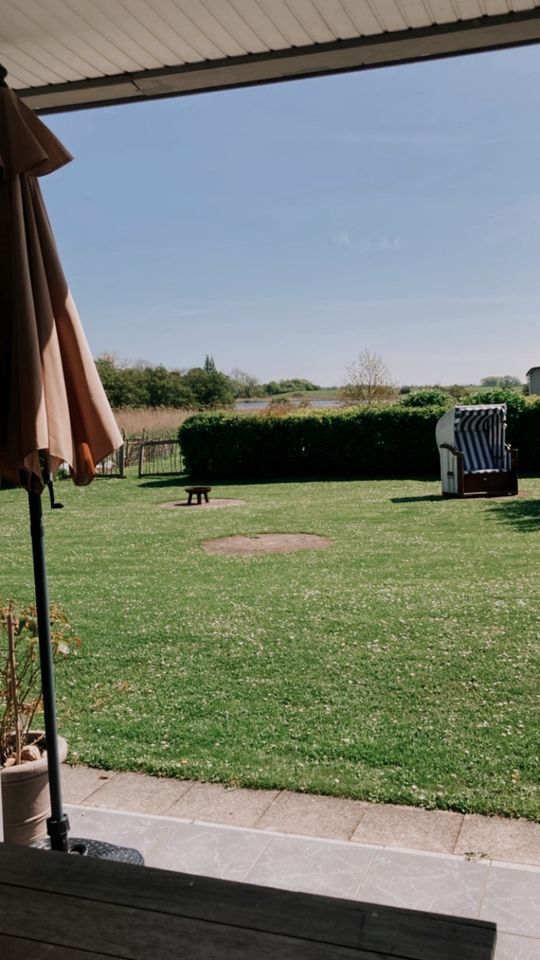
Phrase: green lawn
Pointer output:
(400, 664)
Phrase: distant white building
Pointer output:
(533, 376)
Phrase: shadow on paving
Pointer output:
(523, 515)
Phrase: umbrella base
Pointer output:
(97, 849)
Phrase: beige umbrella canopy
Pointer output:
(52, 405)
(51, 397)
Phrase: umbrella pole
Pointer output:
(57, 823)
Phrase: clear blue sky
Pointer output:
(284, 228)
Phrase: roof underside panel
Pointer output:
(63, 54)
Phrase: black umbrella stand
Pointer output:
(58, 823)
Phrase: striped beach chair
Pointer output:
(475, 458)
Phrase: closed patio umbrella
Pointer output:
(53, 408)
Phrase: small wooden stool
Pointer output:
(198, 492)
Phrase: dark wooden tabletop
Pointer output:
(56, 906)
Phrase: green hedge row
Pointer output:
(524, 433)
(370, 442)
(386, 441)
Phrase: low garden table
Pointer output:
(198, 492)
(69, 907)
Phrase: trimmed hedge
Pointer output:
(524, 433)
(392, 441)
(375, 441)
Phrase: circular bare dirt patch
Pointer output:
(266, 543)
(197, 507)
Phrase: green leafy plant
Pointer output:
(426, 397)
(515, 402)
(20, 678)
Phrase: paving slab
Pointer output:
(208, 849)
(425, 881)
(145, 833)
(409, 827)
(79, 783)
(512, 899)
(312, 866)
(199, 848)
(139, 793)
(498, 838)
(313, 816)
(219, 804)
(516, 948)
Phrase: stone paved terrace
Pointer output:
(485, 867)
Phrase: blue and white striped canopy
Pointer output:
(480, 434)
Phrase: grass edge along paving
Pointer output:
(398, 665)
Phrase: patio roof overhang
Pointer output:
(68, 54)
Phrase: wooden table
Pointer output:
(198, 492)
(55, 906)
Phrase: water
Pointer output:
(254, 405)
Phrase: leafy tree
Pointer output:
(272, 388)
(295, 385)
(506, 382)
(209, 365)
(244, 384)
(134, 386)
(209, 389)
(167, 388)
(110, 375)
(142, 385)
(367, 380)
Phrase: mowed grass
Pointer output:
(400, 664)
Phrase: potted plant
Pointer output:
(23, 750)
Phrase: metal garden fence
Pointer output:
(114, 466)
(160, 458)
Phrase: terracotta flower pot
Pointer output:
(25, 798)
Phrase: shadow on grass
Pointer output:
(156, 482)
(428, 497)
(523, 515)
(177, 480)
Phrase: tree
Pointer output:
(110, 376)
(295, 385)
(209, 364)
(367, 380)
(209, 389)
(272, 388)
(167, 388)
(506, 382)
(244, 384)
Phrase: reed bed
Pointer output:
(151, 421)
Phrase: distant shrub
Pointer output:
(428, 397)
(515, 402)
(458, 392)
